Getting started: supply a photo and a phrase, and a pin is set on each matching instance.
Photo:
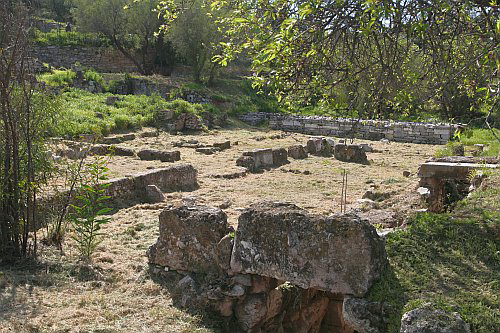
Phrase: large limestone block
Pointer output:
(188, 238)
(350, 153)
(339, 253)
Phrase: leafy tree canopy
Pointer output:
(381, 58)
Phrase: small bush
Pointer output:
(89, 215)
(92, 75)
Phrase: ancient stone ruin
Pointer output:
(363, 129)
(260, 159)
(282, 270)
(446, 180)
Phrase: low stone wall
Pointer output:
(128, 190)
(430, 133)
(101, 59)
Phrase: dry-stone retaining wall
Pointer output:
(101, 59)
(283, 270)
(412, 132)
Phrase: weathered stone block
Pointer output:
(280, 157)
(162, 155)
(110, 150)
(223, 145)
(339, 253)
(188, 238)
(154, 194)
(263, 157)
(350, 153)
(297, 152)
(432, 321)
(246, 162)
(207, 150)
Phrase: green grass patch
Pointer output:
(58, 77)
(86, 113)
(61, 37)
(449, 260)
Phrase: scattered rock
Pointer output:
(458, 149)
(207, 150)
(251, 311)
(232, 175)
(113, 140)
(110, 150)
(222, 145)
(162, 155)
(149, 134)
(406, 173)
(424, 192)
(297, 152)
(364, 316)
(366, 147)
(154, 194)
(350, 153)
(428, 320)
(225, 205)
(223, 252)
(319, 146)
(280, 157)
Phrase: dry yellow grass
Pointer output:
(116, 293)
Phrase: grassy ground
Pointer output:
(449, 260)
(471, 137)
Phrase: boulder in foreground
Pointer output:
(340, 253)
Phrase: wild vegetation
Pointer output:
(397, 60)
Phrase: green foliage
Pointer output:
(70, 38)
(450, 149)
(90, 214)
(130, 26)
(92, 75)
(443, 260)
(194, 35)
(58, 77)
(80, 109)
(401, 60)
(471, 137)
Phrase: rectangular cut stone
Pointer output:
(340, 253)
(263, 157)
(445, 170)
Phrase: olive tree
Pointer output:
(131, 26)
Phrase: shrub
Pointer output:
(89, 215)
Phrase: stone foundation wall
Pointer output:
(429, 133)
(128, 190)
(101, 59)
